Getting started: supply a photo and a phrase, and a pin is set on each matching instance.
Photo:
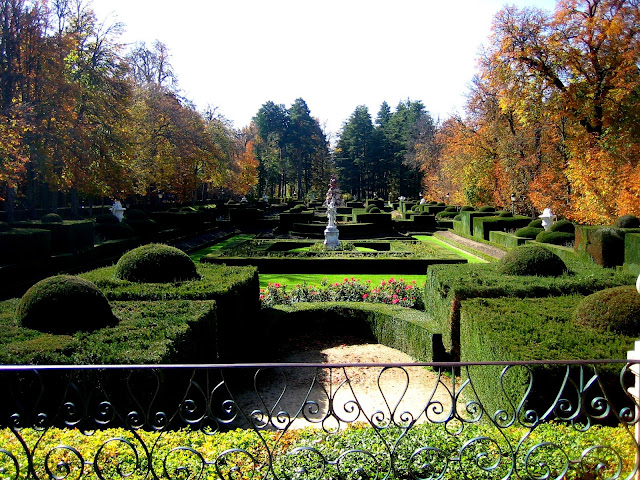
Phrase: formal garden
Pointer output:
(269, 285)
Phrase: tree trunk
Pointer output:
(10, 204)
(75, 203)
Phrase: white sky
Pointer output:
(335, 54)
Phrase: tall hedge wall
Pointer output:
(235, 290)
(173, 331)
(482, 226)
(410, 331)
(632, 253)
(507, 329)
(448, 285)
(68, 237)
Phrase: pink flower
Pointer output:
(277, 285)
(395, 300)
(383, 283)
(366, 295)
(261, 297)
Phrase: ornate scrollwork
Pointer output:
(373, 429)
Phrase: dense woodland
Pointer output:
(553, 116)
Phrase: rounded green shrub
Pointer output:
(374, 209)
(537, 223)
(441, 204)
(107, 219)
(563, 226)
(529, 232)
(451, 209)
(627, 221)
(415, 208)
(136, 214)
(458, 218)
(467, 208)
(487, 208)
(446, 214)
(555, 238)
(156, 263)
(63, 305)
(615, 309)
(297, 209)
(531, 260)
(505, 214)
(51, 218)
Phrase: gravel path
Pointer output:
(489, 250)
(339, 396)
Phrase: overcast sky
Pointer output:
(335, 54)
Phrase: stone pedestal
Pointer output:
(331, 237)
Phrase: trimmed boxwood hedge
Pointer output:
(605, 245)
(235, 290)
(174, 331)
(632, 253)
(19, 245)
(507, 329)
(410, 331)
(68, 237)
(482, 226)
(448, 285)
(555, 238)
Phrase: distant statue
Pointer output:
(117, 210)
(332, 201)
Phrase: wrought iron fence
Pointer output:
(538, 420)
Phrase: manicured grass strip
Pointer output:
(358, 249)
(468, 256)
(224, 244)
(315, 279)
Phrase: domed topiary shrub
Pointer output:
(529, 232)
(627, 221)
(555, 238)
(615, 309)
(451, 209)
(531, 260)
(441, 204)
(458, 218)
(487, 208)
(51, 218)
(107, 219)
(563, 226)
(136, 214)
(537, 223)
(505, 214)
(374, 209)
(467, 208)
(63, 305)
(156, 263)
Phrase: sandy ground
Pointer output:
(295, 397)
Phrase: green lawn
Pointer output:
(293, 279)
(227, 243)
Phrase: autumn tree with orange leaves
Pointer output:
(554, 112)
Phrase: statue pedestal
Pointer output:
(331, 237)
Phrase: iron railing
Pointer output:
(538, 420)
